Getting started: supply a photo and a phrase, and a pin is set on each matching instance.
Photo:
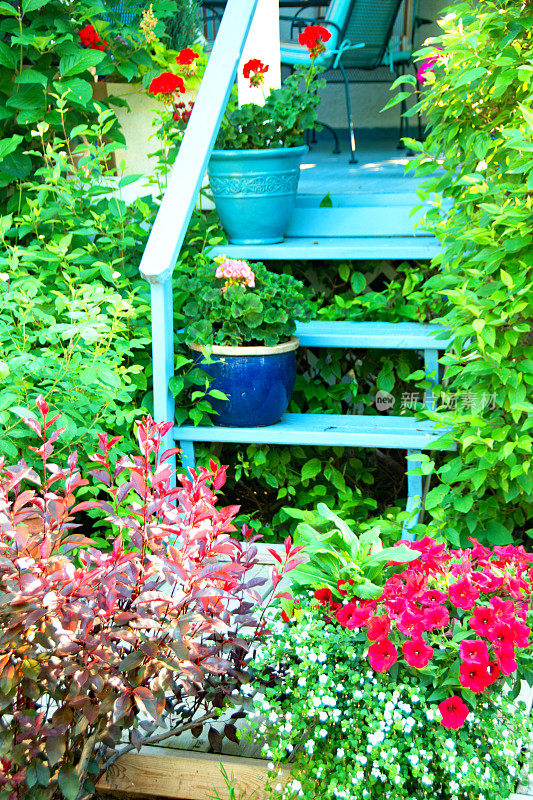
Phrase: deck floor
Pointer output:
(381, 167)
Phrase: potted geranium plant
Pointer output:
(240, 322)
(254, 170)
(141, 75)
(409, 694)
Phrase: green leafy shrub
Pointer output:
(233, 303)
(336, 554)
(183, 25)
(480, 136)
(42, 56)
(74, 322)
(358, 483)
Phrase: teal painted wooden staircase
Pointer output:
(354, 227)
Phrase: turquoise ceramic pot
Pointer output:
(255, 191)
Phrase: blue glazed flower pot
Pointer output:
(255, 192)
(258, 381)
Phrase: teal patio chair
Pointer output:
(361, 38)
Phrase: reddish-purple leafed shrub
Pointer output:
(96, 644)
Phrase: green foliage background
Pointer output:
(479, 111)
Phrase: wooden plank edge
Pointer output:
(185, 775)
(188, 775)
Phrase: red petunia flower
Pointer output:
(353, 616)
(474, 651)
(417, 653)
(166, 86)
(481, 621)
(503, 609)
(521, 633)
(505, 658)
(433, 598)
(436, 617)
(493, 671)
(454, 712)
(411, 623)
(378, 628)
(502, 634)
(463, 594)
(186, 56)
(254, 70)
(313, 37)
(90, 38)
(382, 655)
(474, 677)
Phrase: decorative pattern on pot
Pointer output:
(260, 184)
(255, 192)
(258, 382)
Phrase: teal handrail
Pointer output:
(185, 179)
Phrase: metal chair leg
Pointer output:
(336, 146)
(351, 126)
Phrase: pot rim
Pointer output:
(252, 350)
(274, 151)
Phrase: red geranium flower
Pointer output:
(378, 628)
(325, 598)
(463, 594)
(90, 38)
(254, 70)
(186, 56)
(166, 85)
(344, 582)
(417, 653)
(474, 677)
(474, 651)
(382, 655)
(313, 38)
(436, 617)
(454, 712)
(481, 621)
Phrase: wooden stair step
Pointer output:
(403, 433)
(373, 335)
(354, 221)
(335, 249)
